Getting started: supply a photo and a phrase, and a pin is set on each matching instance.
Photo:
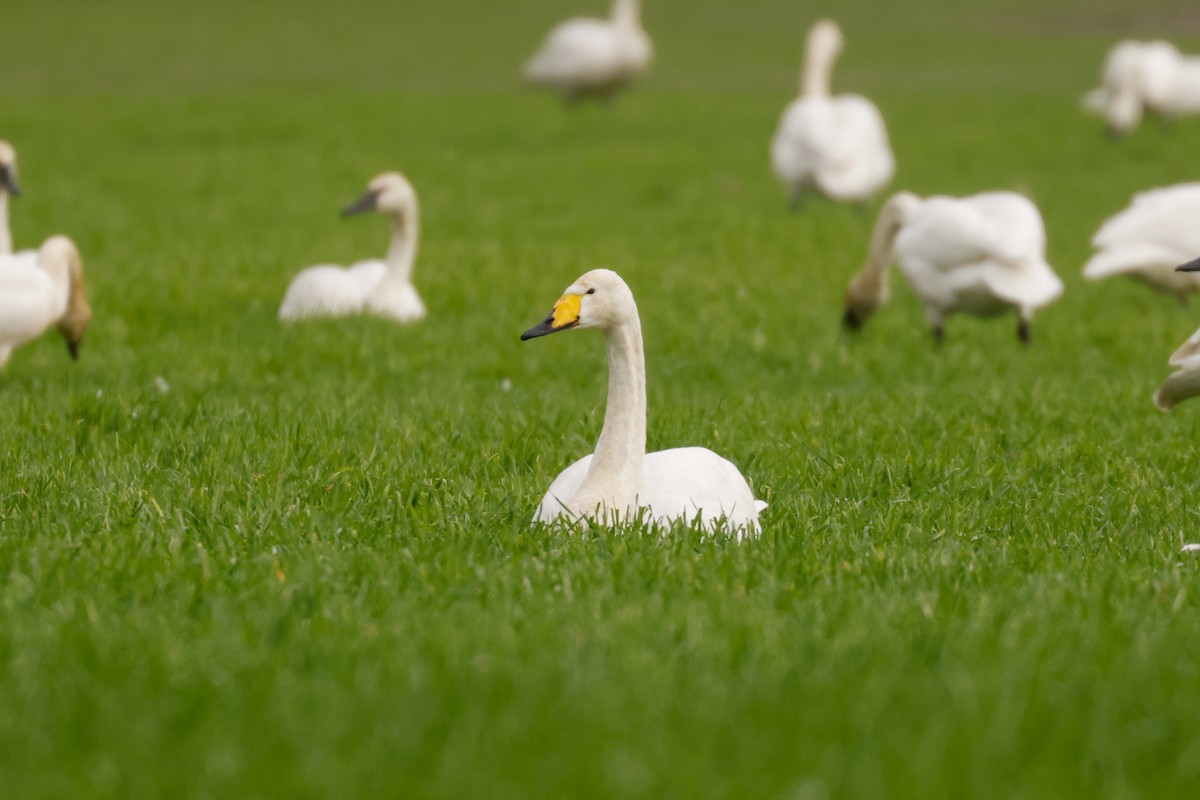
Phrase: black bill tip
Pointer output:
(850, 321)
(545, 328)
(368, 202)
(73, 349)
(1191, 266)
(9, 182)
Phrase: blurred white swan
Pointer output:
(837, 144)
(39, 290)
(982, 255)
(585, 57)
(1185, 382)
(1159, 230)
(1145, 76)
(379, 287)
(8, 187)
(621, 479)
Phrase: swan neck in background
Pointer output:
(616, 470)
(402, 251)
(891, 219)
(6, 246)
(817, 77)
(627, 13)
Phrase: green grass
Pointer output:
(306, 569)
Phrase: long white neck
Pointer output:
(615, 474)
(817, 77)
(627, 13)
(6, 245)
(402, 251)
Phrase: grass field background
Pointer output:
(306, 568)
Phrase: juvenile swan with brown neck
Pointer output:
(620, 479)
(40, 291)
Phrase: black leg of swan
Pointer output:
(1023, 331)
(939, 335)
(796, 200)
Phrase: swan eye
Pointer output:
(591, 291)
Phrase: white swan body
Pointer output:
(8, 188)
(980, 255)
(620, 480)
(1158, 231)
(837, 144)
(39, 289)
(1145, 76)
(1185, 381)
(593, 57)
(378, 287)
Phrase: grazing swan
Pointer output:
(1145, 76)
(8, 186)
(1185, 382)
(838, 144)
(43, 290)
(379, 287)
(983, 255)
(585, 57)
(1145, 241)
(621, 479)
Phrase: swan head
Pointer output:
(600, 299)
(60, 255)
(8, 169)
(389, 193)
(825, 38)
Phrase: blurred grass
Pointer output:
(306, 570)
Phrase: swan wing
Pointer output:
(948, 233)
(562, 489)
(855, 155)
(326, 291)
(1164, 217)
(694, 483)
(576, 51)
(28, 301)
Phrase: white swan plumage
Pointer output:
(39, 289)
(586, 57)
(8, 188)
(1145, 76)
(982, 255)
(620, 480)
(837, 144)
(1159, 230)
(383, 288)
(1184, 383)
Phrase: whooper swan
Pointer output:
(1185, 382)
(837, 144)
(41, 290)
(1160, 229)
(1145, 76)
(982, 255)
(621, 479)
(587, 57)
(379, 287)
(8, 186)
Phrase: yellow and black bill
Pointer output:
(1191, 266)
(368, 202)
(565, 315)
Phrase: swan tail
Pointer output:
(760, 506)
